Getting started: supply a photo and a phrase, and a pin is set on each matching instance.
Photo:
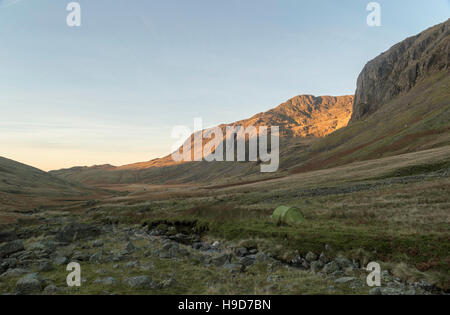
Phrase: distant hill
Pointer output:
(300, 119)
(21, 186)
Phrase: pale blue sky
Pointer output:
(111, 90)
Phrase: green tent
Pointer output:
(284, 214)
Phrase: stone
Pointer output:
(108, 281)
(375, 291)
(131, 264)
(310, 257)
(324, 259)
(129, 247)
(11, 248)
(9, 263)
(29, 284)
(97, 243)
(14, 273)
(141, 282)
(316, 266)
(343, 262)
(96, 258)
(169, 283)
(61, 260)
(80, 256)
(241, 252)
(76, 231)
(45, 266)
(345, 280)
(247, 260)
(331, 267)
(221, 260)
(234, 268)
(51, 289)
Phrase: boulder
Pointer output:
(141, 282)
(10, 248)
(331, 267)
(310, 257)
(29, 284)
(76, 231)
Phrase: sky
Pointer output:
(111, 90)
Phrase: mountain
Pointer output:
(401, 68)
(301, 120)
(402, 104)
(23, 186)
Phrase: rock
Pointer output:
(424, 285)
(97, 243)
(51, 289)
(197, 246)
(345, 280)
(75, 231)
(29, 284)
(375, 291)
(11, 248)
(7, 236)
(80, 256)
(216, 244)
(316, 266)
(297, 261)
(310, 257)
(221, 260)
(241, 252)
(181, 238)
(108, 281)
(323, 258)
(331, 267)
(96, 258)
(14, 273)
(131, 264)
(129, 247)
(247, 260)
(234, 268)
(9, 263)
(397, 70)
(343, 262)
(391, 291)
(253, 251)
(141, 282)
(61, 260)
(45, 266)
(169, 283)
(273, 278)
(261, 257)
(338, 274)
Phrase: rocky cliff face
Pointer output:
(399, 69)
(306, 116)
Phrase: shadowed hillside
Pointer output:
(24, 187)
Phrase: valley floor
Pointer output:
(194, 239)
